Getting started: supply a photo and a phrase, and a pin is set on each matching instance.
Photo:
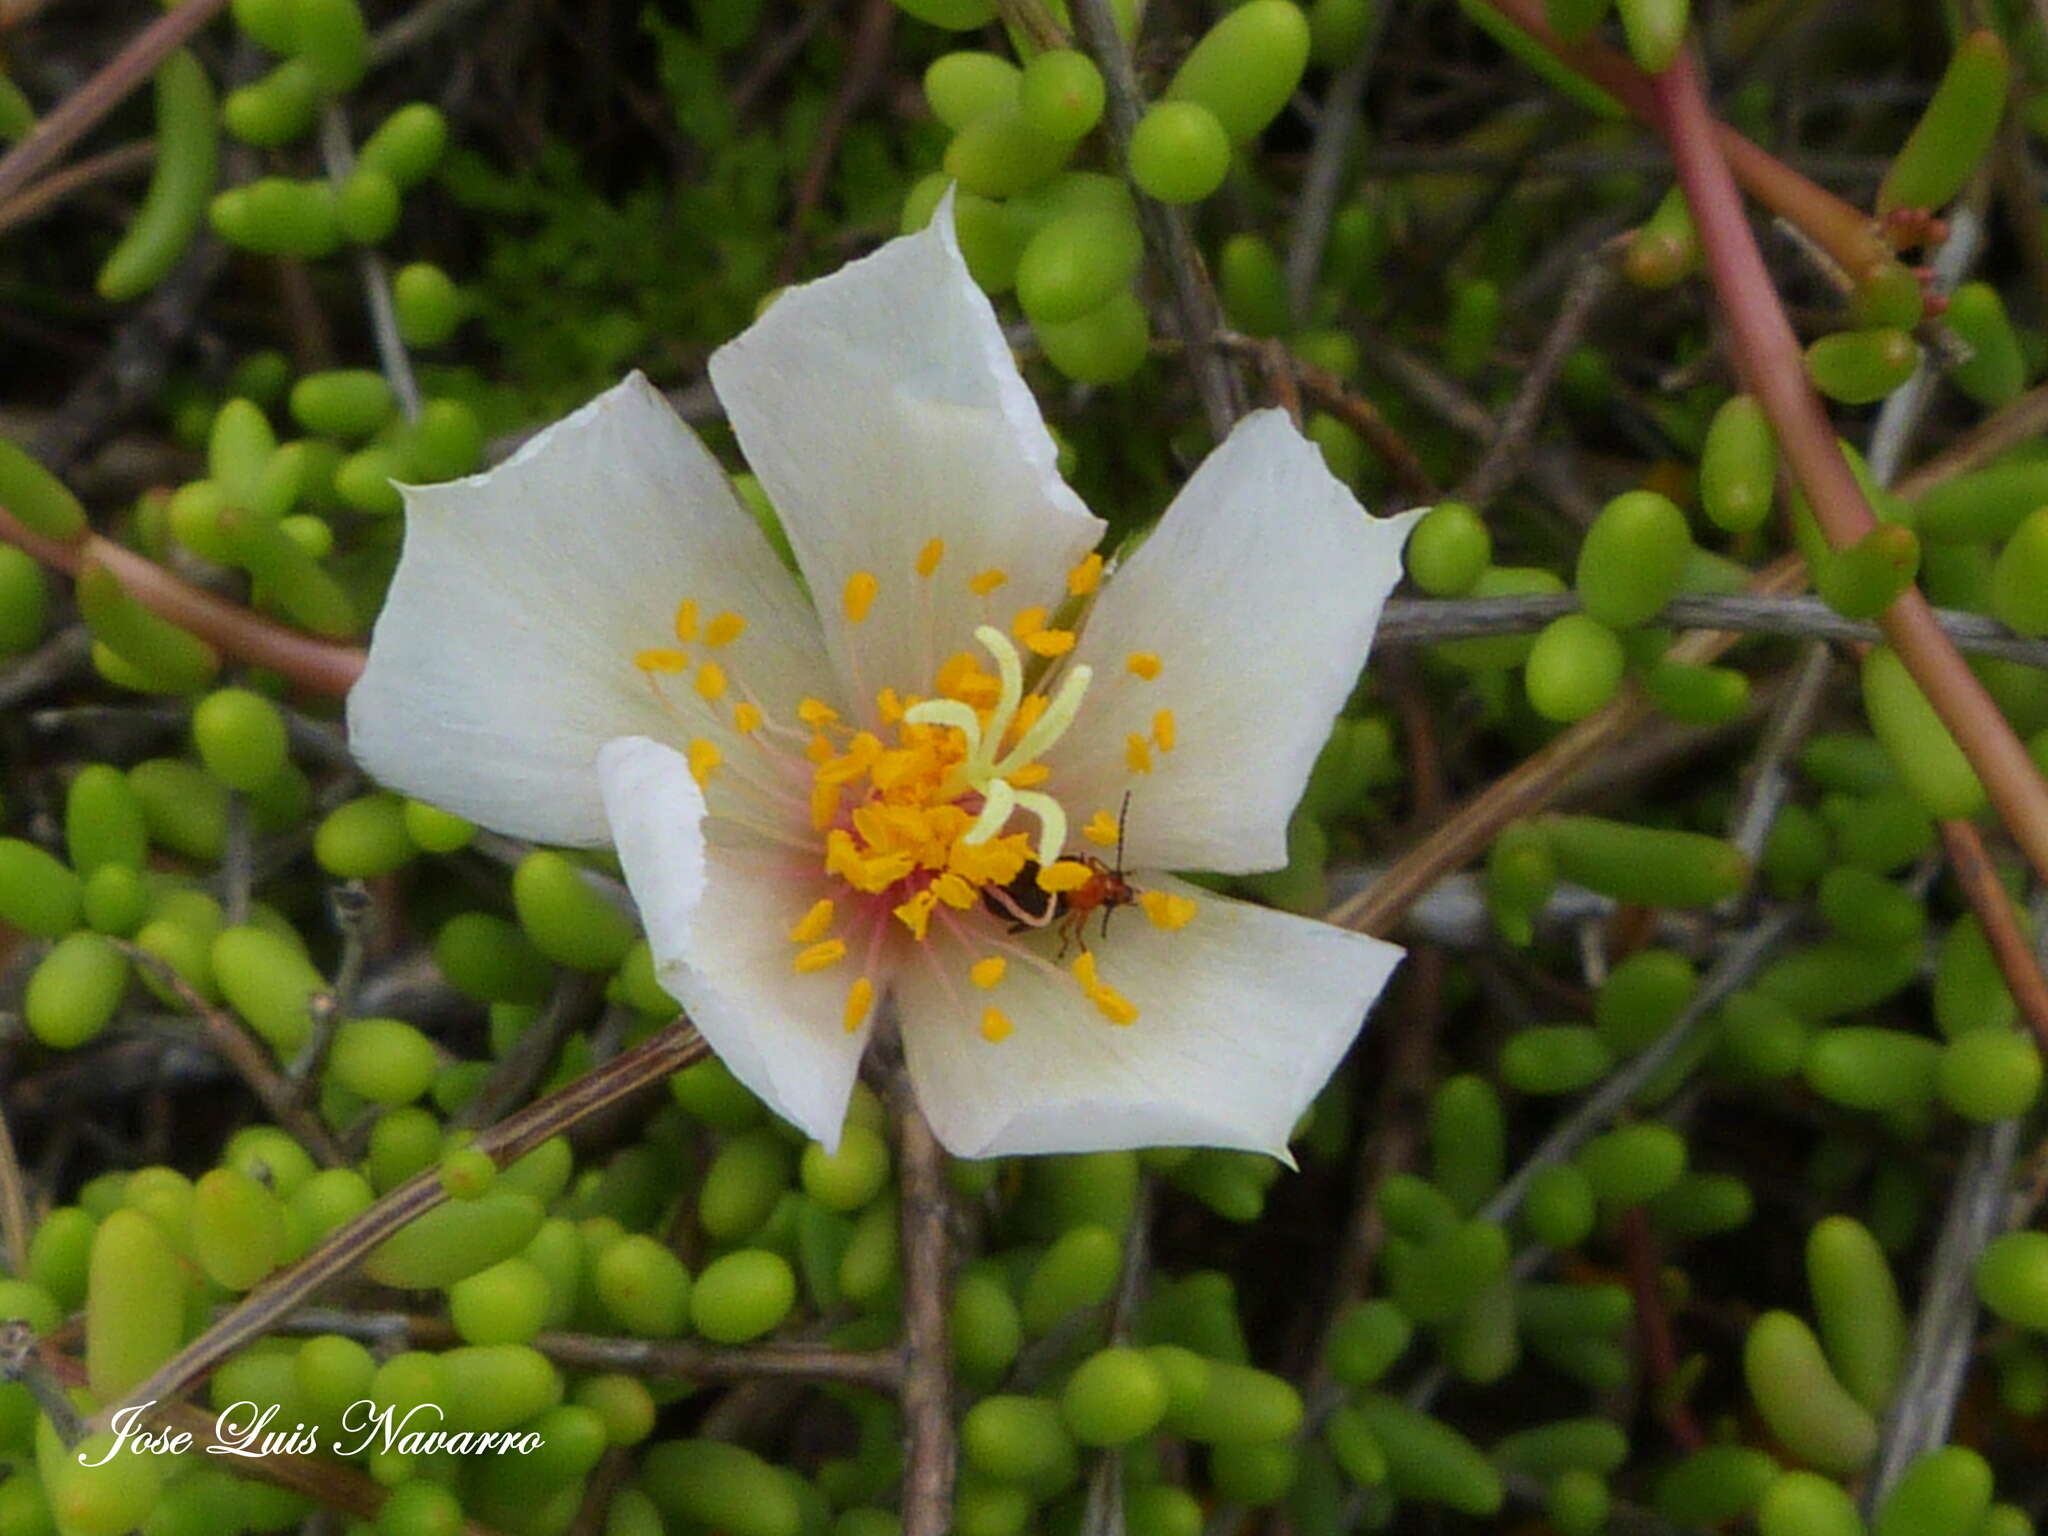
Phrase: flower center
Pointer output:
(915, 816)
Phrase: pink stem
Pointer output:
(320, 666)
(1774, 369)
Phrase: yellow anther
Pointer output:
(818, 749)
(916, 913)
(859, 596)
(1066, 875)
(1114, 1006)
(1137, 755)
(1050, 642)
(929, 557)
(859, 998)
(724, 629)
(1084, 972)
(987, 581)
(995, 1026)
(815, 712)
(1143, 664)
(686, 620)
(1167, 909)
(820, 957)
(954, 892)
(1028, 714)
(1162, 730)
(987, 971)
(704, 756)
(1085, 577)
(889, 705)
(747, 717)
(1029, 621)
(1030, 776)
(661, 658)
(812, 926)
(1101, 830)
(711, 681)
(824, 804)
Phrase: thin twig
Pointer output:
(1944, 1329)
(262, 1309)
(249, 1057)
(927, 1387)
(338, 154)
(1323, 182)
(22, 1360)
(56, 660)
(72, 117)
(1330, 392)
(1504, 456)
(1197, 314)
(417, 25)
(657, 1359)
(1429, 621)
(1768, 780)
(522, 1068)
(866, 61)
(15, 1225)
(1978, 877)
(39, 197)
(1733, 970)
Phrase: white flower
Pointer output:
(818, 808)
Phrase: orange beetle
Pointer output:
(1027, 904)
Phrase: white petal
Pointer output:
(881, 409)
(504, 656)
(718, 920)
(1242, 1016)
(1259, 592)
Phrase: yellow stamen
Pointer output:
(1114, 1006)
(1084, 972)
(1029, 621)
(661, 658)
(820, 957)
(1050, 642)
(889, 705)
(1137, 755)
(711, 681)
(916, 913)
(724, 629)
(1066, 875)
(819, 750)
(954, 892)
(686, 620)
(746, 717)
(1101, 830)
(824, 805)
(816, 712)
(929, 557)
(1085, 577)
(1030, 776)
(995, 1026)
(987, 971)
(1162, 730)
(859, 998)
(704, 756)
(987, 581)
(859, 596)
(812, 925)
(1143, 664)
(1167, 909)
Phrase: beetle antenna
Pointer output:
(1122, 819)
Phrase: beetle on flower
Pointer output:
(816, 798)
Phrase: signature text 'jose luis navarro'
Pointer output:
(243, 1429)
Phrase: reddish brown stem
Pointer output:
(1978, 877)
(93, 100)
(319, 666)
(1850, 236)
(1653, 1329)
(1773, 367)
